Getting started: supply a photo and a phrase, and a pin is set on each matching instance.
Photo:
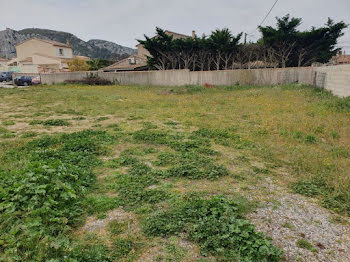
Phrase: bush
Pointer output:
(92, 80)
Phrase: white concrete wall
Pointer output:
(332, 78)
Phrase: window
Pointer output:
(132, 61)
(60, 52)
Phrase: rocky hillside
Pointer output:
(93, 48)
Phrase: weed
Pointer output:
(116, 227)
(340, 152)
(56, 122)
(135, 187)
(35, 122)
(311, 139)
(102, 118)
(338, 200)
(302, 243)
(79, 118)
(3, 130)
(29, 134)
(8, 135)
(46, 196)
(288, 225)
(217, 225)
(187, 89)
(91, 250)
(335, 135)
(171, 123)
(341, 104)
(258, 170)
(166, 158)
(311, 187)
(149, 125)
(149, 150)
(8, 123)
(191, 170)
(123, 247)
(100, 204)
(115, 127)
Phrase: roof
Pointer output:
(173, 34)
(86, 58)
(55, 43)
(343, 59)
(140, 61)
(28, 59)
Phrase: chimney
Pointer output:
(194, 34)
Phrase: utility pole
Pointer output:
(245, 38)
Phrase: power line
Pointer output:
(268, 13)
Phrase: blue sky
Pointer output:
(124, 21)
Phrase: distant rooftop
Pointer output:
(55, 43)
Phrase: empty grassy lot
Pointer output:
(174, 174)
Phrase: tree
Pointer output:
(97, 64)
(282, 45)
(301, 48)
(77, 65)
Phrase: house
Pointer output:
(132, 63)
(340, 59)
(139, 62)
(3, 64)
(39, 56)
(343, 59)
(141, 51)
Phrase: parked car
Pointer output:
(23, 81)
(5, 76)
(36, 80)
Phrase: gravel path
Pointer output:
(292, 217)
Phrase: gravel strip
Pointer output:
(292, 217)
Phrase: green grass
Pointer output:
(171, 162)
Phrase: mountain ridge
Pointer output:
(94, 48)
